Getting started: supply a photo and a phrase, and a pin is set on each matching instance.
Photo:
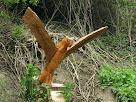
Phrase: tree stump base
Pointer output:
(55, 95)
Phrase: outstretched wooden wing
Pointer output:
(38, 29)
(85, 40)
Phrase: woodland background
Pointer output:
(108, 62)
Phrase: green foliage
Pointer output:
(8, 2)
(4, 18)
(122, 80)
(4, 15)
(47, 95)
(11, 2)
(18, 33)
(34, 2)
(32, 92)
(121, 48)
(41, 94)
(28, 82)
(66, 91)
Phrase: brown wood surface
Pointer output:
(42, 36)
(82, 41)
(38, 29)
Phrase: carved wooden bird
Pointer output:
(47, 74)
(54, 54)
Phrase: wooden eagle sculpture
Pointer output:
(54, 54)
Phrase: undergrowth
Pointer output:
(67, 91)
(18, 33)
(121, 80)
(121, 47)
(34, 92)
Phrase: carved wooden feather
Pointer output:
(82, 41)
(38, 29)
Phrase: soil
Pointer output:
(61, 75)
(106, 95)
(8, 90)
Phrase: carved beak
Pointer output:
(70, 41)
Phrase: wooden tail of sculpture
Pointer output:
(47, 74)
(46, 77)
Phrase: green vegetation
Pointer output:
(34, 91)
(4, 15)
(11, 2)
(122, 48)
(67, 91)
(29, 83)
(122, 81)
(18, 33)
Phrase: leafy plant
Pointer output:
(9, 2)
(33, 92)
(48, 92)
(28, 82)
(4, 15)
(122, 80)
(42, 94)
(66, 91)
(18, 33)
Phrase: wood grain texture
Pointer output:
(48, 71)
(54, 55)
(82, 41)
(42, 36)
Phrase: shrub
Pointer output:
(122, 80)
(32, 92)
